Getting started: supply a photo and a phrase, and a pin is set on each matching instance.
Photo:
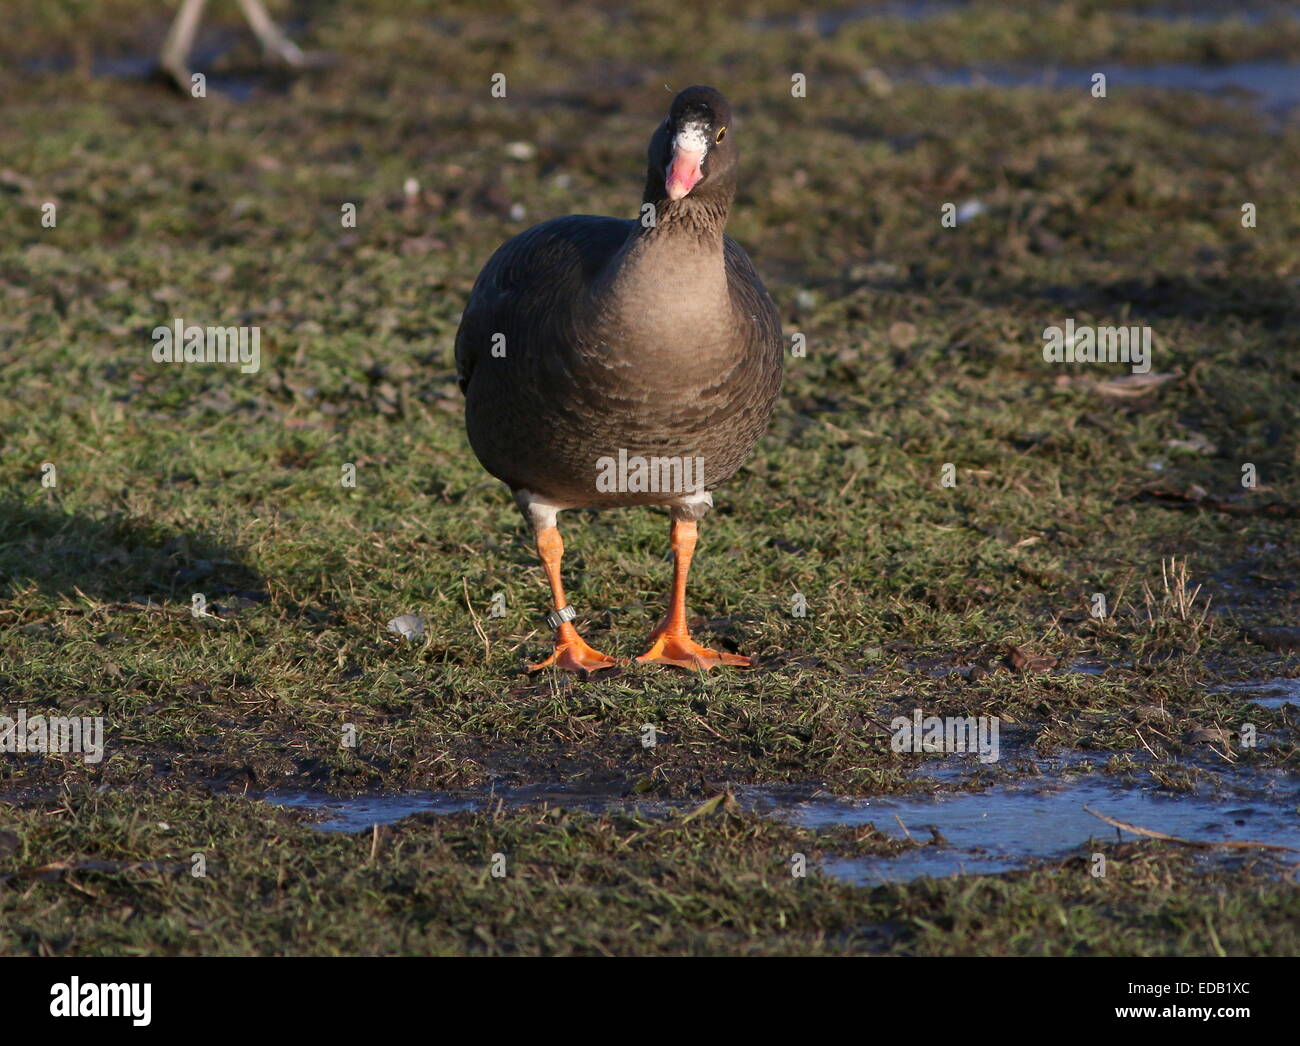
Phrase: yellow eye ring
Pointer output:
(722, 133)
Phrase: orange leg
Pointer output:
(671, 642)
(571, 651)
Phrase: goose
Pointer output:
(174, 61)
(611, 363)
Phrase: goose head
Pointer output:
(692, 152)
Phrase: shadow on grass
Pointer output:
(114, 558)
(1273, 303)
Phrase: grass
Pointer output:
(924, 350)
(577, 883)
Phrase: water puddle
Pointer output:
(1272, 85)
(1267, 693)
(237, 86)
(1212, 14)
(827, 23)
(965, 833)
(1005, 827)
(363, 812)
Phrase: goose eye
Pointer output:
(722, 133)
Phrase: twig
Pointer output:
(1144, 745)
(487, 646)
(1235, 844)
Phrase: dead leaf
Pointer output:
(723, 802)
(1194, 444)
(409, 626)
(1130, 386)
(1209, 735)
(1021, 660)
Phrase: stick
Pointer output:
(1152, 834)
(487, 646)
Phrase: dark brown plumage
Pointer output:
(651, 339)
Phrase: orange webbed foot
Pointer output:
(573, 654)
(678, 648)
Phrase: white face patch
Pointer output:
(692, 138)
